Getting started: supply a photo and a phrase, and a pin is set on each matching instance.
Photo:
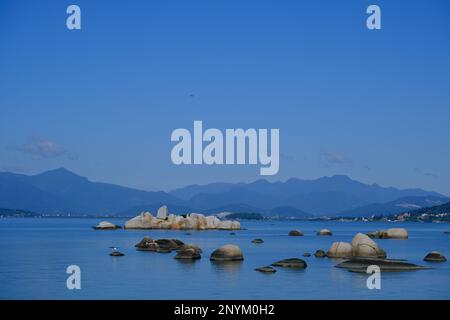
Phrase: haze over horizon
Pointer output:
(103, 101)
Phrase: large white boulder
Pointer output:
(363, 246)
(340, 250)
(142, 221)
(162, 213)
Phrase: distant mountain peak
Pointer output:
(61, 175)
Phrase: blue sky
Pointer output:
(103, 101)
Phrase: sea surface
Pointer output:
(35, 252)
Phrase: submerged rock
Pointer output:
(258, 241)
(295, 263)
(393, 233)
(295, 233)
(307, 254)
(435, 256)
(105, 225)
(340, 250)
(320, 254)
(324, 232)
(267, 269)
(361, 265)
(363, 246)
(189, 251)
(227, 252)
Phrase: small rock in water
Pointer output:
(258, 240)
(227, 252)
(324, 232)
(295, 233)
(320, 254)
(267, 269)
(232, 233)
(105, 225)
(189, 252)
(294, 263)
(307, 254)
(435, 256)
(116, 254)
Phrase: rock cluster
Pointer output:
(361, 246)
(393, 233)
(193, 221)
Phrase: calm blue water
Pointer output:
(36, 252)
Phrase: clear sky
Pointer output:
(103, 101)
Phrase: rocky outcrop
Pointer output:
(435, 256)
(227, 252)
(142, 221)
(361, 265)
(105, 225)
(340, 250)
(189, 252)
(363, 246)
(295, 233)
(193, 221)
(324, 232)
(294, 263)
(393, 233)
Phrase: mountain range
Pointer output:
(62, 191)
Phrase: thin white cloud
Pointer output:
(41, 148)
